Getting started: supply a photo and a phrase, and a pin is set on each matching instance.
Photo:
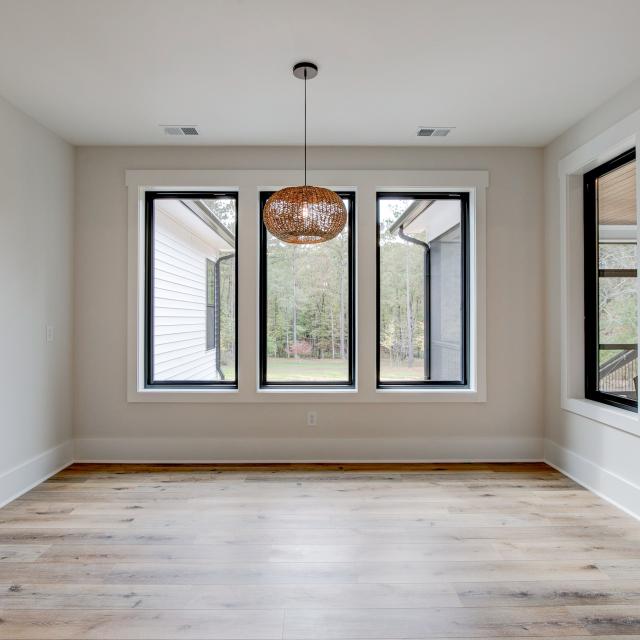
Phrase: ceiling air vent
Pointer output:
(434, 132)
(179, 130)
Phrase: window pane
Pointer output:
(617, 295)
(193, 290)
(618, 336)
(307, 311)
(227, 318)
(616, 255)
(421, 290)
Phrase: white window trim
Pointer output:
(571, 169)
(249, 183)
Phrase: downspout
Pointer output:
(216, 302)
(426, 272)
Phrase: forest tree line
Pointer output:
(308, 296)
(307, 299)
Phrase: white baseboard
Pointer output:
(284, 450)
(28, 474)
(604, 483)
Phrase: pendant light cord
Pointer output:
(305, 127)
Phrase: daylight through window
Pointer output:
(191, 289)
(306, 309)
(422, 289)
(611, 308)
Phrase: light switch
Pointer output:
(50, 334)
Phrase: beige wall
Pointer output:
(508, 425)
(36, 287)
(601, 456)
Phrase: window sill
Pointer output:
(184, 394)
(312, 390)
(189, 388)
(301, 396)
(622, 419)
(431, 394)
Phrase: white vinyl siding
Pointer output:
(179, 303)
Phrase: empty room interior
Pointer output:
(319, 319)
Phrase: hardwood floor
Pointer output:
(301, 552)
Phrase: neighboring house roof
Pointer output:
(204, 212)
(431, 217)
(617, 196)
(199, 220)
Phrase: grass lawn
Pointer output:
(306, 370)
(332, 370)
(394, 371)
(229, 371)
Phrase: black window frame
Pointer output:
(150, 198)
(350, 196)
(463, 197)
(591, 284)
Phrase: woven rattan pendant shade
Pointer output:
(304, 214)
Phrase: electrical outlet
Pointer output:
(50, 334)
(312, 419)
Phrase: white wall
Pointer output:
(602, 457)
(36, 285)
(508, 426)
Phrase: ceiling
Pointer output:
(503, 72)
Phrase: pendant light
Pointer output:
(305, 214)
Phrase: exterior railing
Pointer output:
(619, 374)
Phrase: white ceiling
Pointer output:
(503, 72)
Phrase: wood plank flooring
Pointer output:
(327, 552)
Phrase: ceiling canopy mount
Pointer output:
(305, 70)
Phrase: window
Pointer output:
(611, 308)
(422, 289)
(307, 331)
(190, 328)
